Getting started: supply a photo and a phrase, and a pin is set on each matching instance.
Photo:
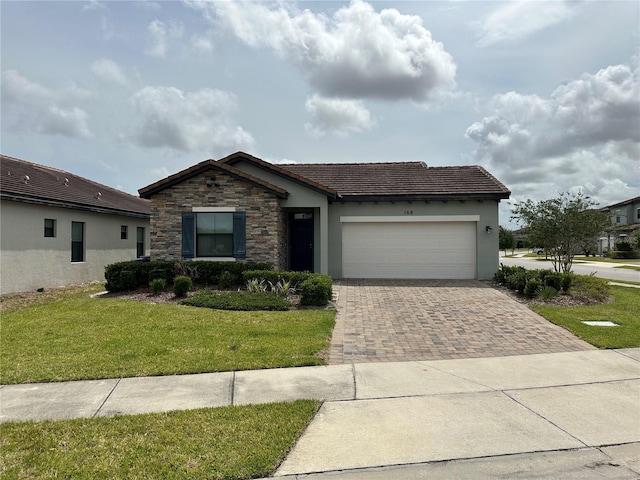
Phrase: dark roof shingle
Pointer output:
(29, 182)
(402, 179)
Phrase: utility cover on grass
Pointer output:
(600, 323)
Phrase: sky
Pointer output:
(545, 95)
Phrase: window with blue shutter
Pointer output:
(188, 232)
(214, 234)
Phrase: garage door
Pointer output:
(431, 250)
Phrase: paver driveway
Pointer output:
(401, 320)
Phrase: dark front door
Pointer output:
(301, 242)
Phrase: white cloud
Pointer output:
(337, 116)
(188, 121)
(514, 20)
(357, 53)
(158, 32)
(202, 43)
(109, 71)
(585, 134)
(29, 106)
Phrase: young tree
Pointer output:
(506, 239)
(563, 226)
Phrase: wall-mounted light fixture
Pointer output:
(211, 182)
(488, 229)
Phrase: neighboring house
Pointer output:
(625, 221)
(358, 220)
(59, 229)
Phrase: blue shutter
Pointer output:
(239, 235)
(188, 230)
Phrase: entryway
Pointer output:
(300, 241)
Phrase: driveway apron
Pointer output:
(403, 320)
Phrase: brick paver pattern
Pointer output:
(403, 320)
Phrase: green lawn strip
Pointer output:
(629, 267)
(623, 311)
(80, 338)
(214, 443)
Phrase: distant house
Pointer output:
(625, 221)
(59, 229)
(348, 220)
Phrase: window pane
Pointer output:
(123, 232)
(224, 223)
(205, 223)
(49, 227)
(76, 231)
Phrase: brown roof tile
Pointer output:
(402, 179)
(29, 182)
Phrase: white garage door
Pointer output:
(431, 250)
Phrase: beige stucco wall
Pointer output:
(29, 260)
(486, 244)
(265, 227)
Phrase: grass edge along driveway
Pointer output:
(73, 337)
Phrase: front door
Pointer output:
(301, 242)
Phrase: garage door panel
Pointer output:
(436, 250)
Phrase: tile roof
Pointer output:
(403, 179)
(29, 182)
(205, 166)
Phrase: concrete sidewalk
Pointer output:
(573, 414)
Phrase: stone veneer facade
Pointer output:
(265, 222)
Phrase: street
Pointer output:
(581, 267)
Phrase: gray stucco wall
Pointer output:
(487, 244)
(29, 260)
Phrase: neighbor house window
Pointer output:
(638, 214)
(123, 232)
(140, 242)
(618, 219)
(77, 241)
(49, 227)
(213, 234)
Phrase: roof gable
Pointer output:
(202, 167)
(29, 182)
(238, 157)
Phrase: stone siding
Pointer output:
(265, 224)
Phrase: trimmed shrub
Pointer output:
(591, 288)
(207, 273)
(227, 279)
(532, 287)
(622, 254)
(553, 279)
(316, 290)
(157, 285)
(128, 280)
(243, 301)
(181, 285)
(567, 281)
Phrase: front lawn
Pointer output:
(215, 443)
(623, 311)
(69, 336)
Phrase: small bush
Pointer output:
(591, 288)
(567, 281)
(227, 279)
(157, 285)
(622, 254)
(181, 285)
(163, 271)
(546, 292)
(624, 246)
(316, 290)
(554, 280)
(243, 301)
(532, 287)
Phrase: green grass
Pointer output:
(214, 443)
(623, 311)
(72, 337)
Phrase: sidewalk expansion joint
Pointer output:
(107, 397)
(355, 381)
(546, 419)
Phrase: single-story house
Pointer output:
(348, 220)
(59, 229)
